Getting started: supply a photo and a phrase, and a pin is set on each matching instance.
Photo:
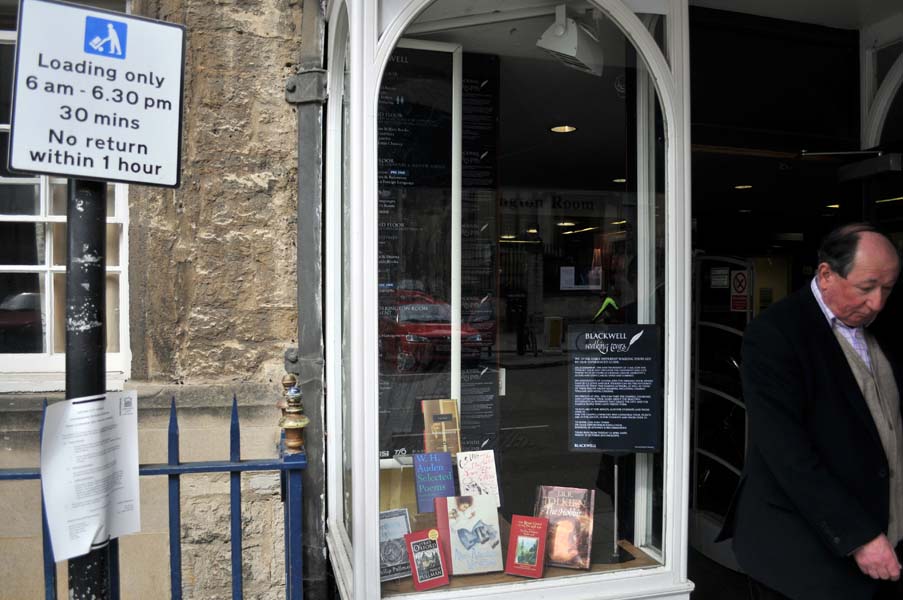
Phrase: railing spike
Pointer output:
(173, 434)
(43, 415)
(234, 436)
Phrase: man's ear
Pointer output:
(824, 271)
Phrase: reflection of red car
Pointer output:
(21, 326)
(415, 331)
(480, 316)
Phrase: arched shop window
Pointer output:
(516, 403)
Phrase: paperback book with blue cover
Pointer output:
(433, 478)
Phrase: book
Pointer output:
(441, 432)
(428, 566)
(527, 546)
(477, 475)
(570, 514)
(393, 525)
(469, 533)
(433, 477)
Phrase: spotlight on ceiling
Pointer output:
(563, 129)
(572, 43)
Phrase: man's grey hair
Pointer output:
(838, 248)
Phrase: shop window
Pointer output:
(521, 231)
(33, 267)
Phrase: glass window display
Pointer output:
(521, 293)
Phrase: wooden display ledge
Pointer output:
(640, 560)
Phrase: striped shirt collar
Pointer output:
(855, 336)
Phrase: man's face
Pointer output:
(858, 298)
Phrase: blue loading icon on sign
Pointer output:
(105, 37)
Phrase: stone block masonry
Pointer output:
(212, 264)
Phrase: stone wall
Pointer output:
(212, 264)
(212, 309)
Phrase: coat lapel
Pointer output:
(826, 343)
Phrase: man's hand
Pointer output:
(877, 559)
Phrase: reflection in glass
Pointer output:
(21, 313)
(22, 243)
(58, 198)
(111, 316)
(19, 199)
(4, 154)
(559, 232)
(112, 246)
(346, 292)
(7, 57)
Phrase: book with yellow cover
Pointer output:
(441, 432)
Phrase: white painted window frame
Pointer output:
(370, 45)
(337, 535)
(46, 371)
(876, 97)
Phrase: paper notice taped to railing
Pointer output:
(89, 471)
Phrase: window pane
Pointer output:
(346, 295)
(59, 312)
(21, 243)
(58, 198)
(59, 244)
(561, 239)
(111, 315)
(20, 199)
(7, 54)
(21, 313)
(4, 155)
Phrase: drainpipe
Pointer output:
(307, 91)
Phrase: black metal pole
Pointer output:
(89, 575)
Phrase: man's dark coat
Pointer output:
(815, 483)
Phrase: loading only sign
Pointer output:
(98, 95)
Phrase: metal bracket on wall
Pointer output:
(306, 87)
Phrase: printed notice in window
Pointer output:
(615, 388)
(89, 471)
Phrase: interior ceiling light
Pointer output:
(533, 230)
(897, 199)
(619, 180)
(743, 187)
(832, 206)
(572, 43)
(619, 222)
(565, 224)
(508, 237)
(584, 230)
(563, 129)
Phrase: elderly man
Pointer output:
(819, 509)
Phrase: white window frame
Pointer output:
(46, 371)
(375, 28)
(876, 96)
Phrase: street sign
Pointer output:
(98, 95)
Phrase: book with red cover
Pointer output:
(570, 514)
(428, 565)
(527, 546)
(469, 534)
